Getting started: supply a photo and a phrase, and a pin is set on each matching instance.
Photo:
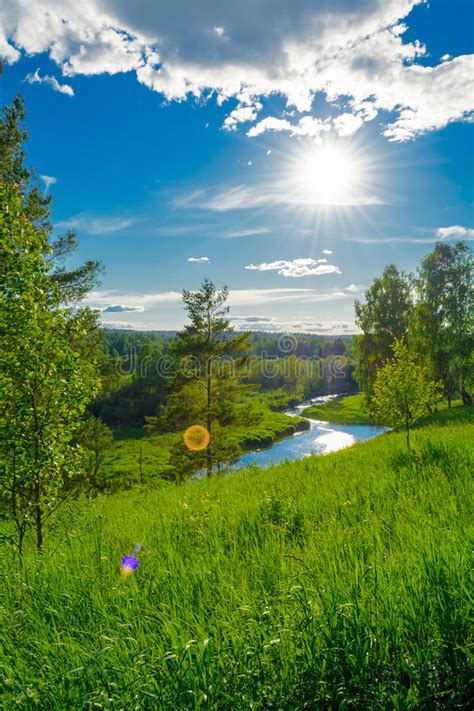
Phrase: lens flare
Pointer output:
(196, 438)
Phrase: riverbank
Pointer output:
(341, 410)
(335, 581)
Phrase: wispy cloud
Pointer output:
(296, 268)
(327, 251)
(97, 225)
(199, 259)
(103, 299)
(244, 197)
(48, 180)
(304, 325)
(50, 81)
(249, 232)
(454, 232)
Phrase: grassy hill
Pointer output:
(339, 581)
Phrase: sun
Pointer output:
(326, 175)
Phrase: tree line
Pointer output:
(417, 336)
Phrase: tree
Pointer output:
(73, 284)
(383, 318)
(48, 373)
(403, 390)
(95, 437)
(443, 316)
(207, 388)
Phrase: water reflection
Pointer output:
(321, 438)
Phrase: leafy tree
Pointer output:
(383, 317)
(207, 387)
(95, 437)
(48, 372)
(403, 390)
(73, 284)
(443, 317)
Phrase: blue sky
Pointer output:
(290, 149)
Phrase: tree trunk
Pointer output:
(38, 516)
(408, 434)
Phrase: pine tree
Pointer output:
(207, 389)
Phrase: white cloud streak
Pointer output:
(97, 225)
(199, 259)
(50, 81)
(452, 233)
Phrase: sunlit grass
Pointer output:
(339, 581)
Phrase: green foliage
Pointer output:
(48, 374)
(340, 581)
(443, 318)
(383, 317)
(403, 390)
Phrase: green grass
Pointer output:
(335, 582)
(344, 410)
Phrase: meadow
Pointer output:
(336, 582)
(342, 410)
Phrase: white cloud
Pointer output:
(354, 288)
(51, 81)
(327, 251)
(199, 259)
(242, 114)
(307, 126)
(349, 51)
(455, 232)
(48, 180)
(96, 225)
(296, 268)
(347, 124)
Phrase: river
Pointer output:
(321, 438)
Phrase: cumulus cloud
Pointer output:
(307, 126)
(50, 81)
(350, 51)
(296, 268)
(327, 251)
(242, 114)
(199, 259)
(354, 288)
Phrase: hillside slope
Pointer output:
(339, 581)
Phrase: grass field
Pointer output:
(339, 581)
(344, 410)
